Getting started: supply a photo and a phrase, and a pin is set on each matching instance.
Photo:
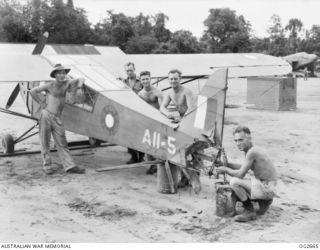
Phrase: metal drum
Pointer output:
(225, 200)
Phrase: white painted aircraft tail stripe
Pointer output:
(200, 118)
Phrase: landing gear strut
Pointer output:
(8, 142)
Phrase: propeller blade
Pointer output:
(13, 96)
(40, 44)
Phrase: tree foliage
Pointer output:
(159, 29)
(13, 24)
(277, 41)
(182, 41)
(294, 27)
(225, 31)
(66, 24)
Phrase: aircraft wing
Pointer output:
(191, 65)
(19, 68)
(22, 68)
(239, 65)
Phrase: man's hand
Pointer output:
(174, 118)
(218, 163)
(221, 170)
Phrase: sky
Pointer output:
(190, 14)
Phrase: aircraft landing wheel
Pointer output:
(7, 144)
(94, 141)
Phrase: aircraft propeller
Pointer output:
(36, 51)
(13, 96)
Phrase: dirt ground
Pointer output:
(124, 205)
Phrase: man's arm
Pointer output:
(242, 171)
(75, 83)
(141, 95)
(34, 92)
(189, 100)
(160, 97)
(234, 165)
(164, 105)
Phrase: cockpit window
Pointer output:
(84, 98)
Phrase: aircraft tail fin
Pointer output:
(208, 112)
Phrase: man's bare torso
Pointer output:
(179, 100)
(262, 166)
(56, 95)
(150, 97)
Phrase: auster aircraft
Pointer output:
(106, 109)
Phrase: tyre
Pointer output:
(7, 144)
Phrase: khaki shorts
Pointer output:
(264, 190)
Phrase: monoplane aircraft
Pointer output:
(106, 109)
(301, 60)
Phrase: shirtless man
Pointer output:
(261, 187)
(154, 97)
(50, 122)
(149, 93)
(182, 98)
(179, 95)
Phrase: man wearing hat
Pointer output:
(50, 121)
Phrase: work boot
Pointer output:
(263, 206)
(246, 216)
(49, 170)
(48, 167)
(76, 170)
(184, 182)
(152, 169)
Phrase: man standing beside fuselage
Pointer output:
(154, 97)
(133, 83)
(50, 118)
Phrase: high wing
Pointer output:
(239, 65)
(19, 66)
(191, 65)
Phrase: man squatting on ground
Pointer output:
(183, 100)
(261, 187)
(133, 83)
(50, 122)
(154, 97)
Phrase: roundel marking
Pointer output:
(110, 119)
